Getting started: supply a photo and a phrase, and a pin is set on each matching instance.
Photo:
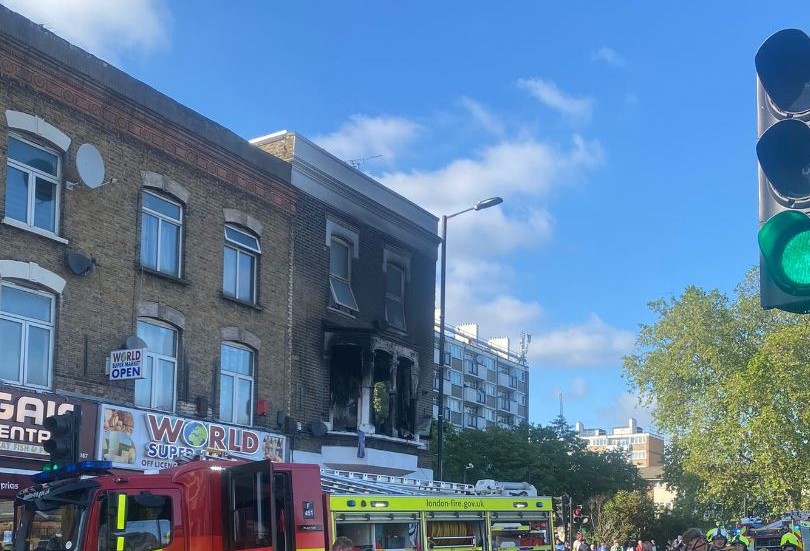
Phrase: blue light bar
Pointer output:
(73, 470)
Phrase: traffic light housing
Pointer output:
(577, 512)
(63, 444)
(783, 150)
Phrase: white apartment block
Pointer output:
(486, 385)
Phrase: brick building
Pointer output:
(364, 264)
(128, 221)
(643, 448)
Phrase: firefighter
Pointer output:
(789, 542)
(740, 543)
(718, 538)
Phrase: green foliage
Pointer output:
(625, 516)
(728, 383)
(550, 457)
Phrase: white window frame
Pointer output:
(33, 173)
(243, 249)
(164, 219)
(155, 362)
(27, 323)
(236, 378)
(339, 278)
(399, 299)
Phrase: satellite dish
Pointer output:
(80, 264)
(134, 342)
(90, 165)
(318, 429)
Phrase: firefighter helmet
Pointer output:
(717, 533)
(789, 539)
(741, 540)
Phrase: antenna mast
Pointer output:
(561, 406)
(525, 339)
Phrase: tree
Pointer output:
(625, 516)
(728, 382)
(552, 458)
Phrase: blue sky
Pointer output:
(621, 136)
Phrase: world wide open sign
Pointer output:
(127, 364)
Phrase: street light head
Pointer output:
(486, 203)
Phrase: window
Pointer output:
(489, 414)
(490, 388)
(147, 526)
(395, 296)
(454, 405)
(156, 389)
(239, 272)
(455, 378)
(236, 387)
(26, 336)
(161, 233)
(436, 380)
(340, 274)
(487, 362)
(32, 184)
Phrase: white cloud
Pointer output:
(577, 388)
(105, 29)
(624, 406)
(483, 117)
(593, 343)
(363, 136)
(506, 169)
(609, 56)
(548, 94)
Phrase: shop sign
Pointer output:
(138, 439)
(22, 418)
(127, 364)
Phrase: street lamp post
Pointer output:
(480, 205)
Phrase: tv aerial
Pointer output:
(355, 163)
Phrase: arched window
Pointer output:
(161, 233)
(26, 335)
(340, 274)
(157, 388)
(242, 252)
(236, 383)
(33, 176)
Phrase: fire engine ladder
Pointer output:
(350, 482)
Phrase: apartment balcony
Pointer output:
(475, 395)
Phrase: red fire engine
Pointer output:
(233, 505)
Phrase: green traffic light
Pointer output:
(785, 244)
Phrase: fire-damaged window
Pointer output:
(346, 376)
(392, 402)
(372, 392)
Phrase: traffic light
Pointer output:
(783, 150)
(577, 512)
(63, 445)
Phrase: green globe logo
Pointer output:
(195, 434)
